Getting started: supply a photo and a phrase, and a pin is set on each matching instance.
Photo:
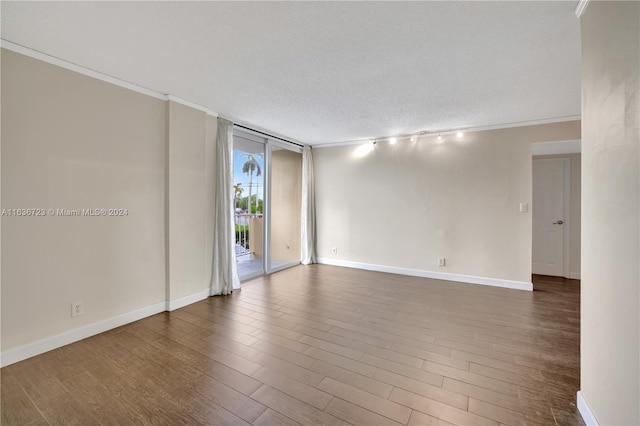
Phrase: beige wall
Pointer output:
(575, 202)
(73, 142)
(188, 264)
(256, 230)
(70, 142)
(286, 201)
(408, 204)
(610, 299)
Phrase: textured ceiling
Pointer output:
(324, 72)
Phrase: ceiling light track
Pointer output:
(413, 137)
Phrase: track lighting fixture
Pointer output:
(413, 137)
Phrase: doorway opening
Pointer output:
(556, 169)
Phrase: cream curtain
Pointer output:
(308, 231)
(224, 276)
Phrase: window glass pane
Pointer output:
(286, 194)
(248, 176)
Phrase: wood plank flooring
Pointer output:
(321, 345)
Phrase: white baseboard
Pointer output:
(172, 305)
(574, 275)
(495, 282)
(41, 346)
(585, 411)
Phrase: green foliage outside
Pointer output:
(242, 203)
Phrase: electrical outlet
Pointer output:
(334, 250)
(442, 261)
(77, 308)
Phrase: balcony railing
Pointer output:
(243, 230)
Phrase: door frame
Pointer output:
(268, 143)
(268, 269)
(255, 137)
(566, 207)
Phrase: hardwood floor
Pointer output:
(321, 345)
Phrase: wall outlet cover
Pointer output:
(77, 308)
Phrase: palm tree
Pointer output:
(250, 167)
(237, 195)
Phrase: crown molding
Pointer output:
(191, 105)
(581, 7)
(522, 123)
(345, 143)
(573, 146)
(5, 44)
(428, 133)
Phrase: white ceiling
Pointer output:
(322, 72)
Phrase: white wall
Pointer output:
(70, 141)
(408, 204)
(610, 293)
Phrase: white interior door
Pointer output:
(549, 218)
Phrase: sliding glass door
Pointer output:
(248, 178)
(268, 193)
(284, 207)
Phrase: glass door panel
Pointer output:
(285, 203)
(248, 177)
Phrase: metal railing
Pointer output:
(242, 230)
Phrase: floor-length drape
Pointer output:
(224, 275)
(308, 221)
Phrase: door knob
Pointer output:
(560, 222)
